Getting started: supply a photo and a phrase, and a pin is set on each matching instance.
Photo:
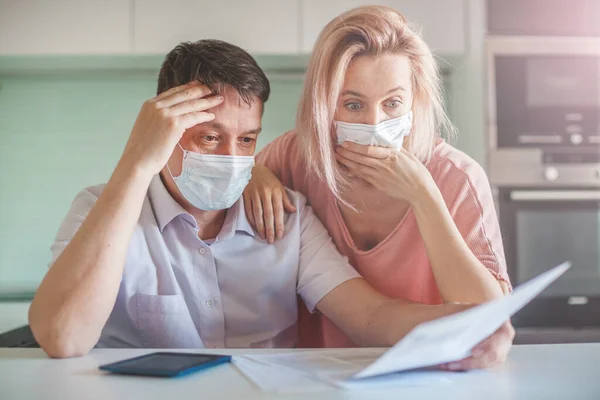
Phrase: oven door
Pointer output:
(543, 228)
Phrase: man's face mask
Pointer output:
(388, 133)
(213, 182)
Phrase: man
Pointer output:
(163, 255)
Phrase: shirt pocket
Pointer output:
(164, 322)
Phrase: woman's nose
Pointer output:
(375, 116)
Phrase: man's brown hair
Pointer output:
(216, 64)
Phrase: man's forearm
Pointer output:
(78, 293)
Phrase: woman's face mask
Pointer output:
(390, 133)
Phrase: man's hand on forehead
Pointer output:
(162, 121)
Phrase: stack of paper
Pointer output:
(432, 343)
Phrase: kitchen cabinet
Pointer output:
(64, 27)
(258, 26)
(442, 21)
(263, 27)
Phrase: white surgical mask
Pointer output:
(213, 182)
(388, 133)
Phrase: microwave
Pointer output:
(545, 93)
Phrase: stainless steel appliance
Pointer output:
(543, 228)
(544, 163)
(544, 111)
(544, 17)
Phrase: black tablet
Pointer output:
(166, 364)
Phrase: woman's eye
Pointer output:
(393, 103)
(353, 106)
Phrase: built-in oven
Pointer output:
(544, 165)
(544, 111)
(542, 228)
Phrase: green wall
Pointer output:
(63, 125)
(64, 121)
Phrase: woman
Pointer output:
(414, 215)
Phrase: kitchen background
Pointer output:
(74, 73)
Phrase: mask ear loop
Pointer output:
(183, 157)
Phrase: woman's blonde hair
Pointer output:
(371, 31)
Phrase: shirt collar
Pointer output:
(166, 209)
(235, 221)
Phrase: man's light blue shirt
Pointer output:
(178, 291)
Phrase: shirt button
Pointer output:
(210, 303)
(202, 251)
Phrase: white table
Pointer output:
(532, 372)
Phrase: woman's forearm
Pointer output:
(459, 275)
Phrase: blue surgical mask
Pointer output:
(213, 182)
(388, 133)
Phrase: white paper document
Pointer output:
(436, 342)
(273, 373)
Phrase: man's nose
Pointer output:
(228, 148)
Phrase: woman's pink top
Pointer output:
(398, 266)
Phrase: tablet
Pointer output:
(166, 364)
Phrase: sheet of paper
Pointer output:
(440, 341)
(274, 378)
(273, 373)
(326, 365)
(452, 338)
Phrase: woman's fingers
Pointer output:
(287, 203)
(248, 209)
(279, 211)
(257, 212)
(490, 352)
(369, 151)
(358, 158)
(268, 216)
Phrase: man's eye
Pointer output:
(247, 140)
(210, 138)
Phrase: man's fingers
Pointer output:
(188, 93)
(195, 105)
(194, 118)
(175, 89)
